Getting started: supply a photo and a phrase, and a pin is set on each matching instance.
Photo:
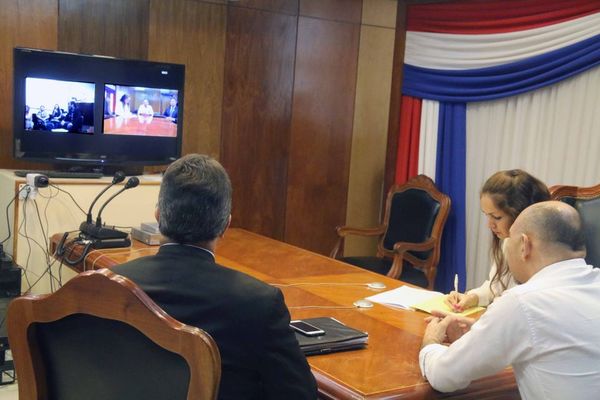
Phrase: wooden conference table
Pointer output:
(387, 369)
(144, 126)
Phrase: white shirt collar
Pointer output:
(553, 268)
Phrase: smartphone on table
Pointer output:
(305, 328)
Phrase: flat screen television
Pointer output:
(94, 111)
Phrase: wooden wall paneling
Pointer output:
(278, 6)
(380, 13)
(193, 33)
(24, 23)
(323, 106)
(259, 71)
(106, 27)
(336, 10)
(396, 97)
(371, 113)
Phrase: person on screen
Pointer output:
(145, 112)
(122, 108)
(503, 196)
(73, 120)
(145, 109)
(56, 113)
(28, 118)
(171, 111)
(248, 319)
(42, 113)
(546, 327)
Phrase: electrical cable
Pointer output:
(105, 254)
(7, 216)
(47, 247)
(60, 250)
(71, 196)
(22, 231)
(370, 285)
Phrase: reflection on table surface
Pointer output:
(140, 125)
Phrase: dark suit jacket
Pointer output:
(167, 112)
(247, 318)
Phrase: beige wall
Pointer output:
(371, 109)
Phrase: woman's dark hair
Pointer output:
(123, 98)
(511, 191)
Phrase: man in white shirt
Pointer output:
(547, 328)
(145, 113)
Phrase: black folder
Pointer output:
(337, 337)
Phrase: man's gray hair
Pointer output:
(194, 200)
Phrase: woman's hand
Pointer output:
(459, 302)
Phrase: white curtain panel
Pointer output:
(428, 134)
(552, 133)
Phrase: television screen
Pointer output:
(87, 110)
(140, 111)
(59, 106)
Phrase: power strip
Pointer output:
(26, 191)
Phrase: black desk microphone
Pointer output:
(131, 183)
(118, 178)
(105, 237)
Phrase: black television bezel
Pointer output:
(100, 70)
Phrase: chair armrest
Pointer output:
(402, 247)
(343, 231)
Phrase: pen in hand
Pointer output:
(453, 299)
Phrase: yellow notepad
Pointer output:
(437, 303)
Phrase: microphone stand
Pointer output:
(87, 225)
(103, 236)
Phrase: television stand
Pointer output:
(78, 172)
(62, 174)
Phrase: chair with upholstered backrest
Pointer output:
(586, 200)
(410, 235)
(100, 337)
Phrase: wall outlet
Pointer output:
(26, 191)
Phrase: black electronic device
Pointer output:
(10, 276)
(337, 337)
(104, 236)
(10, 281)
(93, 112)
(99, 236)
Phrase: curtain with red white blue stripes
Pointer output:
(470, 51)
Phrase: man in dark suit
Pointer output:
(247, 318)
(171, 111)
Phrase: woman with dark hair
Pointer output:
(56, 112)
(503, 196)
(123, 108)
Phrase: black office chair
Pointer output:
(586, 200)
(410, 235)
(100, 337)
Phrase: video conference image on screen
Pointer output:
(59, 106)
(133, 110)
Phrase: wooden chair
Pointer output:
(586, 200)
(410, 235)
(101, 337)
